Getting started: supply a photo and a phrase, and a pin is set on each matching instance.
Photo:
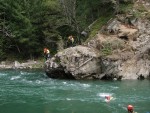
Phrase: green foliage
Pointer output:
(141, 8)
(88, 11)
(142, 11)
(110, 45)
(2, 54)
(107, 49)
(27, 26)
(97, 25)
(125, 7)
(31, 24)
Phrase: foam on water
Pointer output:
(26, 81)
(15, 77)
(86, 85)
(64, 82)
(3, 74)
(104, 94)
(26, 73)
(38, 81)
(114, 87)
(68, 99)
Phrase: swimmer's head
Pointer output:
(107, 97)
(130, 108)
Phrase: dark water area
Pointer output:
(31, 91)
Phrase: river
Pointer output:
(31, 91)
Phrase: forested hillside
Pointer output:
(27, 26)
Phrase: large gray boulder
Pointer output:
(78, 62)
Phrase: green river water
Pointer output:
(31, 91)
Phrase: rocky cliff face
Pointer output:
(138, 66)
(129, 47)
(123, 55)
(120, 51)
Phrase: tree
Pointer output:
(69, 10)
(28, 25)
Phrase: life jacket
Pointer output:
(47, 51)
(71, 38)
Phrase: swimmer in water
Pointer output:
(130, 109)
(108, 98)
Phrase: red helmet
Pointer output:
(130, 108)
(107, 97)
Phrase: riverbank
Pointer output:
(29, 64)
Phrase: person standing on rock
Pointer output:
(70, 40)
(46, 53)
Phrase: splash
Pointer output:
(15, 78)
(105, 94)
